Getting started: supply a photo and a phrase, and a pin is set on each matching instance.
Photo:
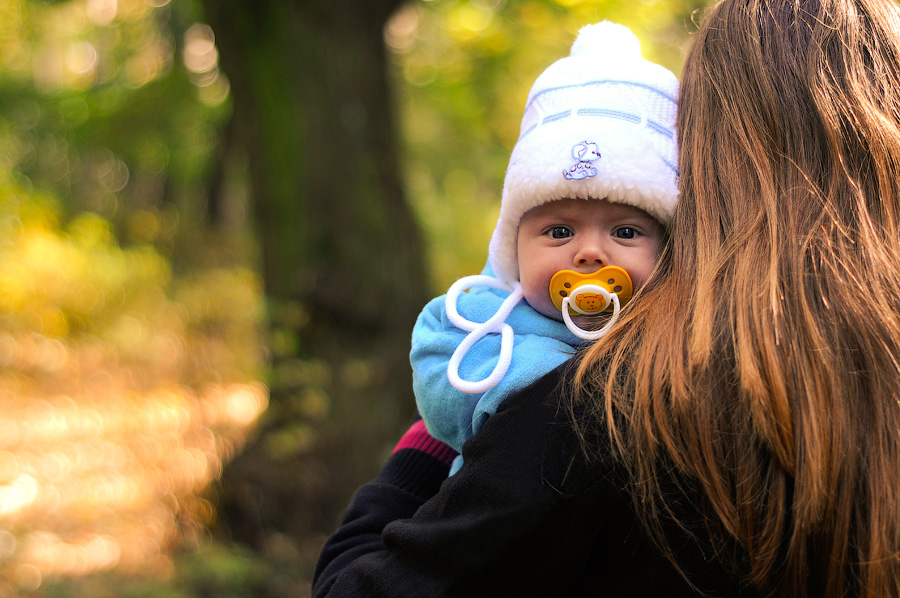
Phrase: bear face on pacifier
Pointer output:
(605, 290)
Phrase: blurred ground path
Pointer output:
(99, 469)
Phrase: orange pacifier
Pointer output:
(605, 290)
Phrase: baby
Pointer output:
(590, 188)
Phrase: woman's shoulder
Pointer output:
(532, 442)
(531, 452)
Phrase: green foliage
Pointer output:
(112, 107)
(110, 118)
(73, 281)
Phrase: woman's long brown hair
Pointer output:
(763, 366)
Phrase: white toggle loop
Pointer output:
(496, 323)
(589, 335)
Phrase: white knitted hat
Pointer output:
(599, 124)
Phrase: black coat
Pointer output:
(527, 515)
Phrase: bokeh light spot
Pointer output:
(101, 12)
(200, 54)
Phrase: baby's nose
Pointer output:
(590, 253)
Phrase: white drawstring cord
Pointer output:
(496, 323)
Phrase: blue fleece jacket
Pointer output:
(452, 416)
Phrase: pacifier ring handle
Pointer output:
(589, 335)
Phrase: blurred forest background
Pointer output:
(218, 221)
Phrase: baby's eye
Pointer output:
(625, 232)
(560, 232)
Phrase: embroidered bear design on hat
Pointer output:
(585, 152)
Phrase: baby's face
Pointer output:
(583, 235)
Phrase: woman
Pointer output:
(738, 433)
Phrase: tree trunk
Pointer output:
(341, 253)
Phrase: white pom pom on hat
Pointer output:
(607, 38)
(598, 124)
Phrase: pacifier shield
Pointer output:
(590, 300)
